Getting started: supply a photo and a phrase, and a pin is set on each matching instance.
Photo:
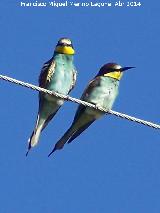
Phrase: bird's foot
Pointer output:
(99, 107)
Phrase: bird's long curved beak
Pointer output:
(125, 68)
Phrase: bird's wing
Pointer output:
(81, 109)
(46, 73)
(92, 84)
(80, 130)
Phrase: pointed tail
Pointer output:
(33, 140)
(63, 140)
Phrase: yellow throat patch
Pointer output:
(115, 75)
(65, 50)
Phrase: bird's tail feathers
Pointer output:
(63, 140)
(70, 135)
(33, 140)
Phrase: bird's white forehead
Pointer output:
(66, 41)
(117, 66)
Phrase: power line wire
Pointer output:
(78, 101)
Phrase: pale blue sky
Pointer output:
(112, 167)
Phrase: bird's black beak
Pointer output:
(125, 68)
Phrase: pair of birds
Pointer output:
(59, 75)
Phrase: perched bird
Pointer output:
(101, 91)
(59, 75)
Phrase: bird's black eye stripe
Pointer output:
(114, 70)
(68, 45)
(64, 44)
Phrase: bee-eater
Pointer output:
(58, 75)
(102, 92)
